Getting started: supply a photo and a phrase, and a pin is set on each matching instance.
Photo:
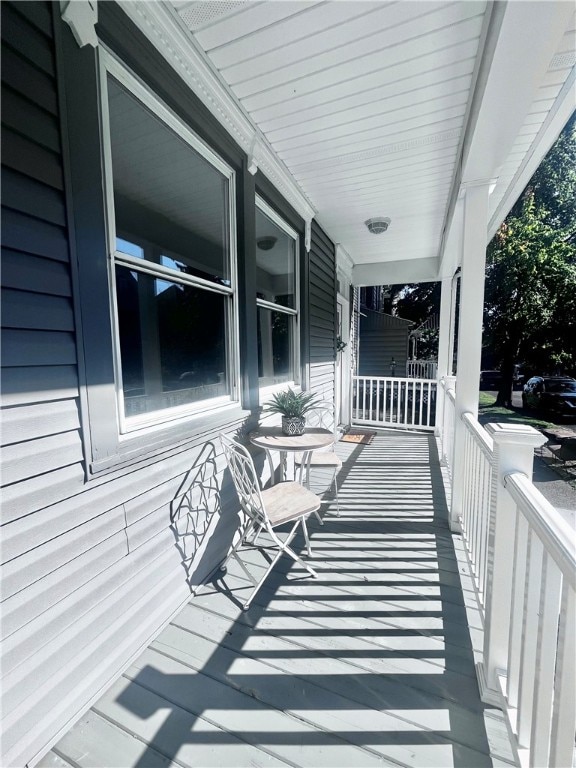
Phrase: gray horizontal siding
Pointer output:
(36, 384)
(322, 313)
(39, 237)
(24, 77)
(377, 348)
(39, 420)
(32, 198)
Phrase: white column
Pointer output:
(469, 329)
(513, 452)
(443, 349)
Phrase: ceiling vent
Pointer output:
(378, 225)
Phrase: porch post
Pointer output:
(513, 452)
(444, 353)
(469, 330)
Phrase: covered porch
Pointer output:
(371, 664)
(440, 630)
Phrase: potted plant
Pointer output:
(293, 407)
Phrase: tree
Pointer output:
(530, 293)
(420, 302)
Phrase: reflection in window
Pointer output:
(172, 342)
(275, 347)
(173, 222)
(275, 262)
(277, 298)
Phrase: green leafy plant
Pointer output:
(291, 404)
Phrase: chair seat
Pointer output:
(320, 459)
(287, 501)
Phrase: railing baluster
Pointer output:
(517, 610)
(564, 712)
(529, 638)
(466, 505)
(551, 584)
(421, 399)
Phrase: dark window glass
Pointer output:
(172, 342)
(275, 262)
(275, 347)
(166, 192)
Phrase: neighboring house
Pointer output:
(164, 272)
(383, 347)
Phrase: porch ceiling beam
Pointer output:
(520, 41)
(555, 121)
(401, 271)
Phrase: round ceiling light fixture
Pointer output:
(266, 243)
(378, 225)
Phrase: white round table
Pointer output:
(273, 439)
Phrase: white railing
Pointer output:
(475, 516)
(421, 369)
(522, 556)
(394, 402)
(539, 682)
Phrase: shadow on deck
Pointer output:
(370, 664)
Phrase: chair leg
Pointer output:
(282, 548)
(317, 513)
(306, 537)
(337, 499)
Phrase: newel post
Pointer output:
(513, 452)
(448, 425)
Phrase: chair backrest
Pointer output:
(245, 480)
(322, 415)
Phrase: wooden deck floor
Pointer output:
(369, 665)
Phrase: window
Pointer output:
(172, 244)
(277, 298)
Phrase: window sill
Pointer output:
(151, 447)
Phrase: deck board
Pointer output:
(370, 664)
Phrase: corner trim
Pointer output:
(82, 17)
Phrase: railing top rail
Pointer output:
(385, 379)
(555, 533)
(479, 434)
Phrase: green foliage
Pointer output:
(290, 403)
(530, 293)
(419, 302)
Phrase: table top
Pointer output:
(273, 439)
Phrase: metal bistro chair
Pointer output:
(265, 510)
(322, 415)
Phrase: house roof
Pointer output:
(371, 320)
(364, 109)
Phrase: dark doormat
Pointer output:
(360, 436)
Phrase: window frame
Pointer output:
(150, 423)
(276, 218)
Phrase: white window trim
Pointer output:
(266, 391)
(150, 423)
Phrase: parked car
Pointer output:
(490, 380)
(555, 394)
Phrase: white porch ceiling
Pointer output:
(368, 104)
